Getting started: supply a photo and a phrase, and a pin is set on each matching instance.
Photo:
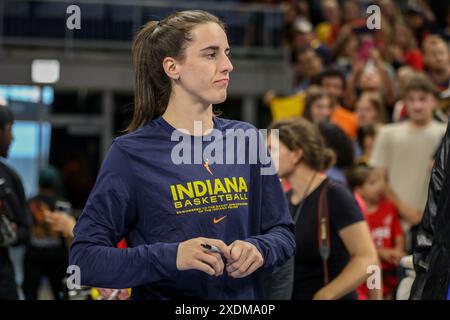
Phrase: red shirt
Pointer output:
(414, 59)
(384, 224)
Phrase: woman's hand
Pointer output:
(191, 255)
(245, 259)
(112, 294)
(61, 222)
(375, 55)
(392, 255)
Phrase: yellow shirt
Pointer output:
(287, 107)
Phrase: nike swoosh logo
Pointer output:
(218, 220)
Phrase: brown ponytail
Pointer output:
(155, 41)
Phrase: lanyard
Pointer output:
(302, 200)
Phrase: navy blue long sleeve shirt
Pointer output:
(142, 194)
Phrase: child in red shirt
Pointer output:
(384, 223)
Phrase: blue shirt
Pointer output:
(142, 195)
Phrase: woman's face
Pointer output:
(321, 110)
(287, 159)
(365, 112)
(204, 74)
(371, 80)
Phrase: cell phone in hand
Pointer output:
(63, 206)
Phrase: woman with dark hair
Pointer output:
(334, 245)
(198, 230)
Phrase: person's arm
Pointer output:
(61, 222)
(363, 254)
(108, 215)
(386, 78)
(399, 246)
(355, 73)
(425, 234)
(399, 237)
(393, 255)
(104, 221)
(407, 212)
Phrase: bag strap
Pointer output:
(323, 222)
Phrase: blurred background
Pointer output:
(71, 91)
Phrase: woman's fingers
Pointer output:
(224, 249)
(244, 269)
(206, 268)
(249, 260)
(243, 256)
(214, 260)
(236, 251)
(257, 263)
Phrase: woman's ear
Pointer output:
(170, 66)
(298, 155)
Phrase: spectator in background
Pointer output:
(390, 13)
(308, 65)
(351, 13)
(370, 109)
(13, 214)
(304, 37)
(317, 105)
(416, 20)
(374, 74)
(437, 61)
(333, 83)
(403, 151)
(47, 253)
(328, 30)
(384, 223)
(345, 49)
(403, 75)
(371, 115)
(403, 48)
(293, 11)
(303, 157)
(390, 17)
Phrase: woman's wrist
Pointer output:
(324, 294)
